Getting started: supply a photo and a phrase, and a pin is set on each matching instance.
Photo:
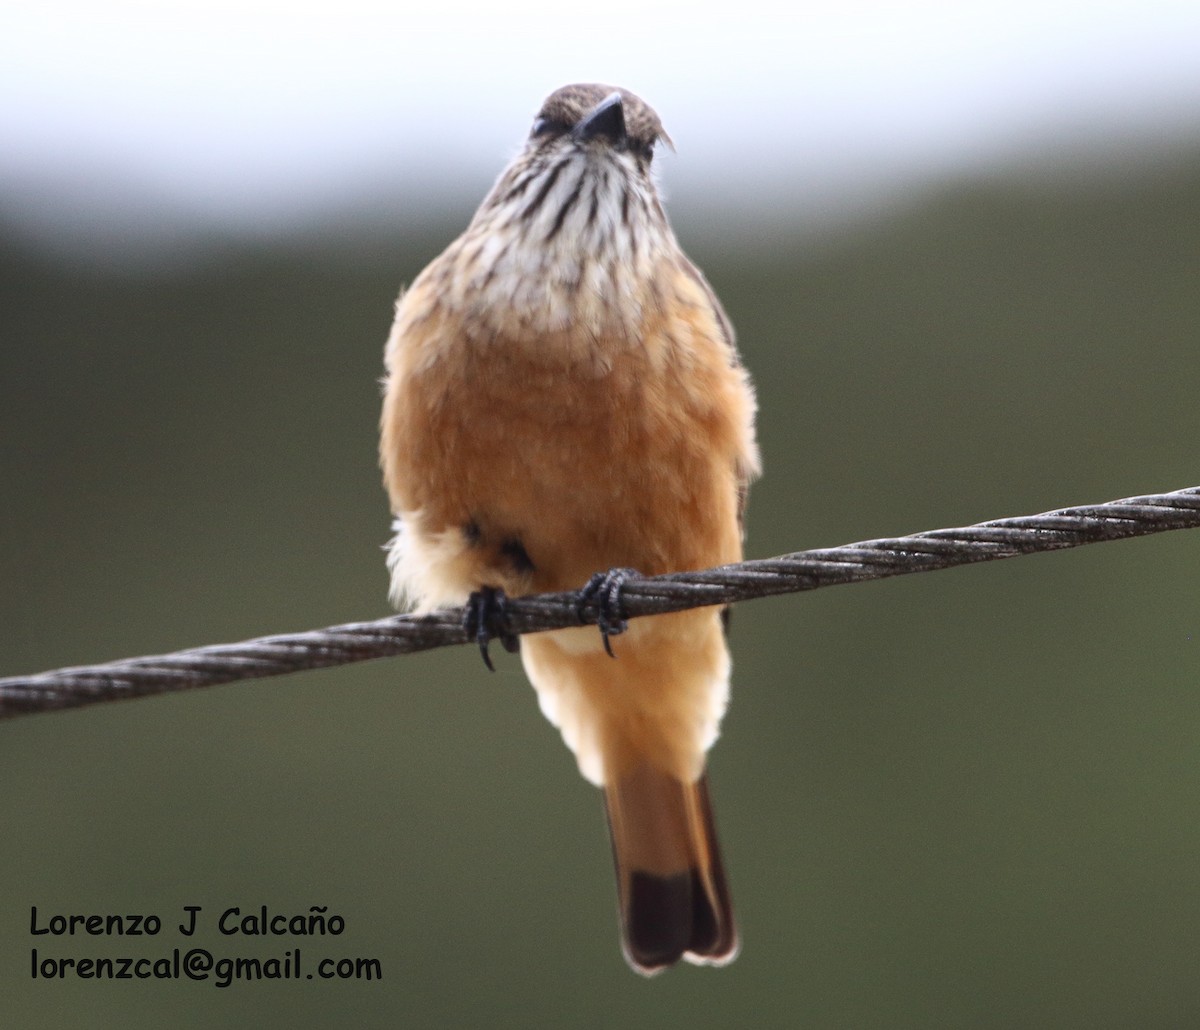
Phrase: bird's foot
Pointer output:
(604, 588)
(485, 619)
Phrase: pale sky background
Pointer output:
(149, 123)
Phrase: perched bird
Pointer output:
(563, 396)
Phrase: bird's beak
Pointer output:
(604, 121)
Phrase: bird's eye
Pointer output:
(548, 127)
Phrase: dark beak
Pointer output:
(604, 121)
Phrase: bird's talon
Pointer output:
(485, 619)
(604, 588)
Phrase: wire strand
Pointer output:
(726, 584)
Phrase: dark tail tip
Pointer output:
(671, 917)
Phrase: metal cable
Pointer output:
(790, 573)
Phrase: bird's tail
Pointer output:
(674, 901)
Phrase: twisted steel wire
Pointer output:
(789, 573)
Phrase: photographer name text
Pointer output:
(193, 963)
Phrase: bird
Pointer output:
(564, 402)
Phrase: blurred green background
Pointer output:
(962, 799)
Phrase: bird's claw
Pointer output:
(604, 589)
(485, 619)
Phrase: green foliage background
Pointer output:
(963, 799)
